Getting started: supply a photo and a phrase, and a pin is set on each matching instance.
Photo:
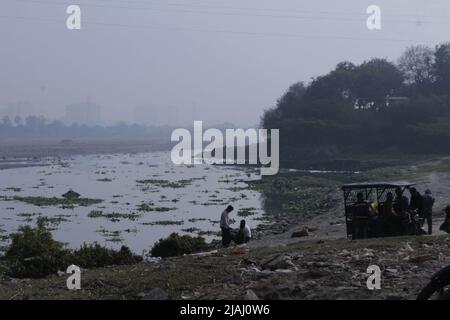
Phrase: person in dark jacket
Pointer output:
(361, 215)
(416, 201)
(428, 202)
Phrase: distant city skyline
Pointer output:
(225, 61)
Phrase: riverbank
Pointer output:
(307, 270)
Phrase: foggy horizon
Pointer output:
(170, 63)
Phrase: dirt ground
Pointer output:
(332, 269)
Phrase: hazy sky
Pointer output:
(215, 60)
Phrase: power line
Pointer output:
(362, 16)
(259, 9)
(340, 13)
(230, 32)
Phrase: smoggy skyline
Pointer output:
(167, 62)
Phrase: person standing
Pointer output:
(416, 201)
(428, 202)
(225, 226)
(361, 215)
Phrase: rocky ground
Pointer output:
(331, 269)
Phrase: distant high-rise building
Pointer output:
(22, 109)
(87, 113)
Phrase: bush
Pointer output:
(96, 256)
(34, 253)
(176, 245)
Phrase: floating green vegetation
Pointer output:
(67, 206)
(114, 217)
(56, 220)
(104, 180)
(149, 207)
(213, 202)
(27, 215)
(209, 233)
(191, 230)
(263, 218)
(164, 223)
(43, 202)
(169, 184)
(197, 219)
(237, 189)
(165, 183)
(110, 236)
(245, 212)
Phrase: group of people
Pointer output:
(243, 235)
(395, 216)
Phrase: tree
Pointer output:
(375, 79)
(17, 120)
(416, 64)
(7, 123)
(442, 68)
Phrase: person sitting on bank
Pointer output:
(401, 204)
(361, 215)
(245, 233)
(446, 225)
(225, 226)
(391, 221)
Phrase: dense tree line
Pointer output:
(40, 127)
(375, 106)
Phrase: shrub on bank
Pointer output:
(34, 253)
(176, 245)
(97, 256)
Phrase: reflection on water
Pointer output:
(166, 199)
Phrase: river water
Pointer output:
(189, 198)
